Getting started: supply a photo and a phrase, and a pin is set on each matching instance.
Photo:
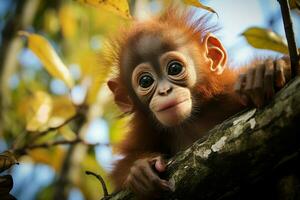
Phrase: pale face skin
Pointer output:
(166, 88)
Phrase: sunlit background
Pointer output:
(78, 46)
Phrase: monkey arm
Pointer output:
(261, 79)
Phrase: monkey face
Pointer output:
(166, 89)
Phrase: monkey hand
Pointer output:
(144, 180)
(259, 83)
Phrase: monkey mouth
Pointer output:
(171, 104)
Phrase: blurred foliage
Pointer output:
(67, 39)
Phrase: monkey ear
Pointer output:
(120, 95)
(216, 52)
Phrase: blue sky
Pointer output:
(235, 16)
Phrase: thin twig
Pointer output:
(24, 149)
(38, 134)
(105, 192)
(63, 142)
(289, 32)
(54, 143)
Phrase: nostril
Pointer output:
(169, 89)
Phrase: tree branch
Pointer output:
(289, 32)
(101, 180)
(23, 150)
(239, 152)
(38, 134)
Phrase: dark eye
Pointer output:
(146, 81)
(174, 68)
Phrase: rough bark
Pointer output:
(246, 153)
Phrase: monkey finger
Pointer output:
(238, 86)
(155, 181)
(248, 90)
(258, 97)
(160, 185)
(129, 184)
(249, 79)
(147, 176)
(258, 83)
(160, 164)
(148, 172)
(268, 79)
(169, 186)
(287, 68)
(279, 73)
(151, 179)
(245, 100)
(139, 177)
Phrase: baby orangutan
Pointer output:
(175, 82)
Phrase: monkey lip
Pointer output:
(170, 104)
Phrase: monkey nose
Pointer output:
(165, 90)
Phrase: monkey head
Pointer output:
(160, 69)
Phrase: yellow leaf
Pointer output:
(53, 64)
(39, 111)
(63, 109)
(68, 21)
(119, 7)
(196, 3)
(43, 111)
(265, 39)
(7, 159)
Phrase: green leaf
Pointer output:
(265, 39)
